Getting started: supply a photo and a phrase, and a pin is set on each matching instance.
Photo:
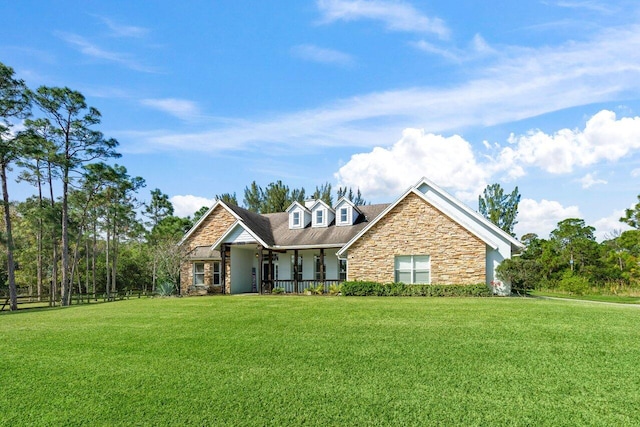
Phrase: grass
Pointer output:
(619, 299)
(321, 361)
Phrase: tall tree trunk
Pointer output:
(53, 291)
(39, 237)
(66, 291)
(86, 265)
(13, 292)
(115, 257)
(107, 286)
(93, 255)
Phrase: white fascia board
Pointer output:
(298, 204)
(485, 223)
(375, 221)
(317, 202)
(203, 217)
(239, 222)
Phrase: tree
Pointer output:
(228, 198)
(500, 208)
(158, 208)
(77, 143)
(323, 193)
(276, 198)
(575, 240)
(632, 216)
(199, 214)
(14, 104)
(347, 192)
(253, 197)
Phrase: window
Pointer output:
(413, 269)
(198, 273)
(216, 273)
(343, 215)
(319, 216)
(293, 261)
(319, 268)
(342, 272)
(296, 219)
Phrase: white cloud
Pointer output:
(92, 50)
(180, 108)
(396, 15)
(449, 161)
(322, 55)
(607, 226)
(603, 139)
(542, 217)
(635, 173)
(478, 48)
(188, 204)
(589, 180)
(520, 83)
(120, 30)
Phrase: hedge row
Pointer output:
(361, 288)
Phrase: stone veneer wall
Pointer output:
(210, 230)
(415, 227)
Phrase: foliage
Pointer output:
(347, 192)
(500, 208)
(315, 290)
(165, 289)
(228, 198)
(364, 288)
(574, 284)
(334, 289)
(632, 216)
(536, 362)
(277, 291)
(523, 274)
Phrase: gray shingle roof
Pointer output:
(274, 230)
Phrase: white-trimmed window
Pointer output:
(293, 269)
(342, 269)
(198, 273)
(319, 216)
(296, 219)
(344, 215)
(216, 273)
(319, 267)
(413, 269)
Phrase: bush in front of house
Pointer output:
(364, 288)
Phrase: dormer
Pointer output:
(346, 212)
(321, 214)
(299, 216)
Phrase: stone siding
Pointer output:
(210, 230)
(415, 227)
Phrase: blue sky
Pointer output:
(207, 96)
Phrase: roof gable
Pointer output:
(454, 209)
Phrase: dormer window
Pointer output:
(296, 219)
(319, 216)
(344, 215)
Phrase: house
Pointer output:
(425, 236)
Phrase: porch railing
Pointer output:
(291, 287)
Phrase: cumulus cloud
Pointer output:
(609, 225)
(396, 15)
(180, 108)
(188, 204)
(589, 180)
(449, 161)
(542, 217)
(322, 55)
(604, 138)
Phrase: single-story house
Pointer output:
(425, 236)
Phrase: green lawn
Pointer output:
(285, 360)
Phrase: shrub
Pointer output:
(315, 290)
(362, 288)
(277, 291)
(165, 289)
(574, 284)
(334, 289)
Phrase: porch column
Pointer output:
(223, 267)
(270, 270)
(295, 271)
(322, 272)
(260, 271)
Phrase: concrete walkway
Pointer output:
(588, 301)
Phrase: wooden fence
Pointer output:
(33, 301)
